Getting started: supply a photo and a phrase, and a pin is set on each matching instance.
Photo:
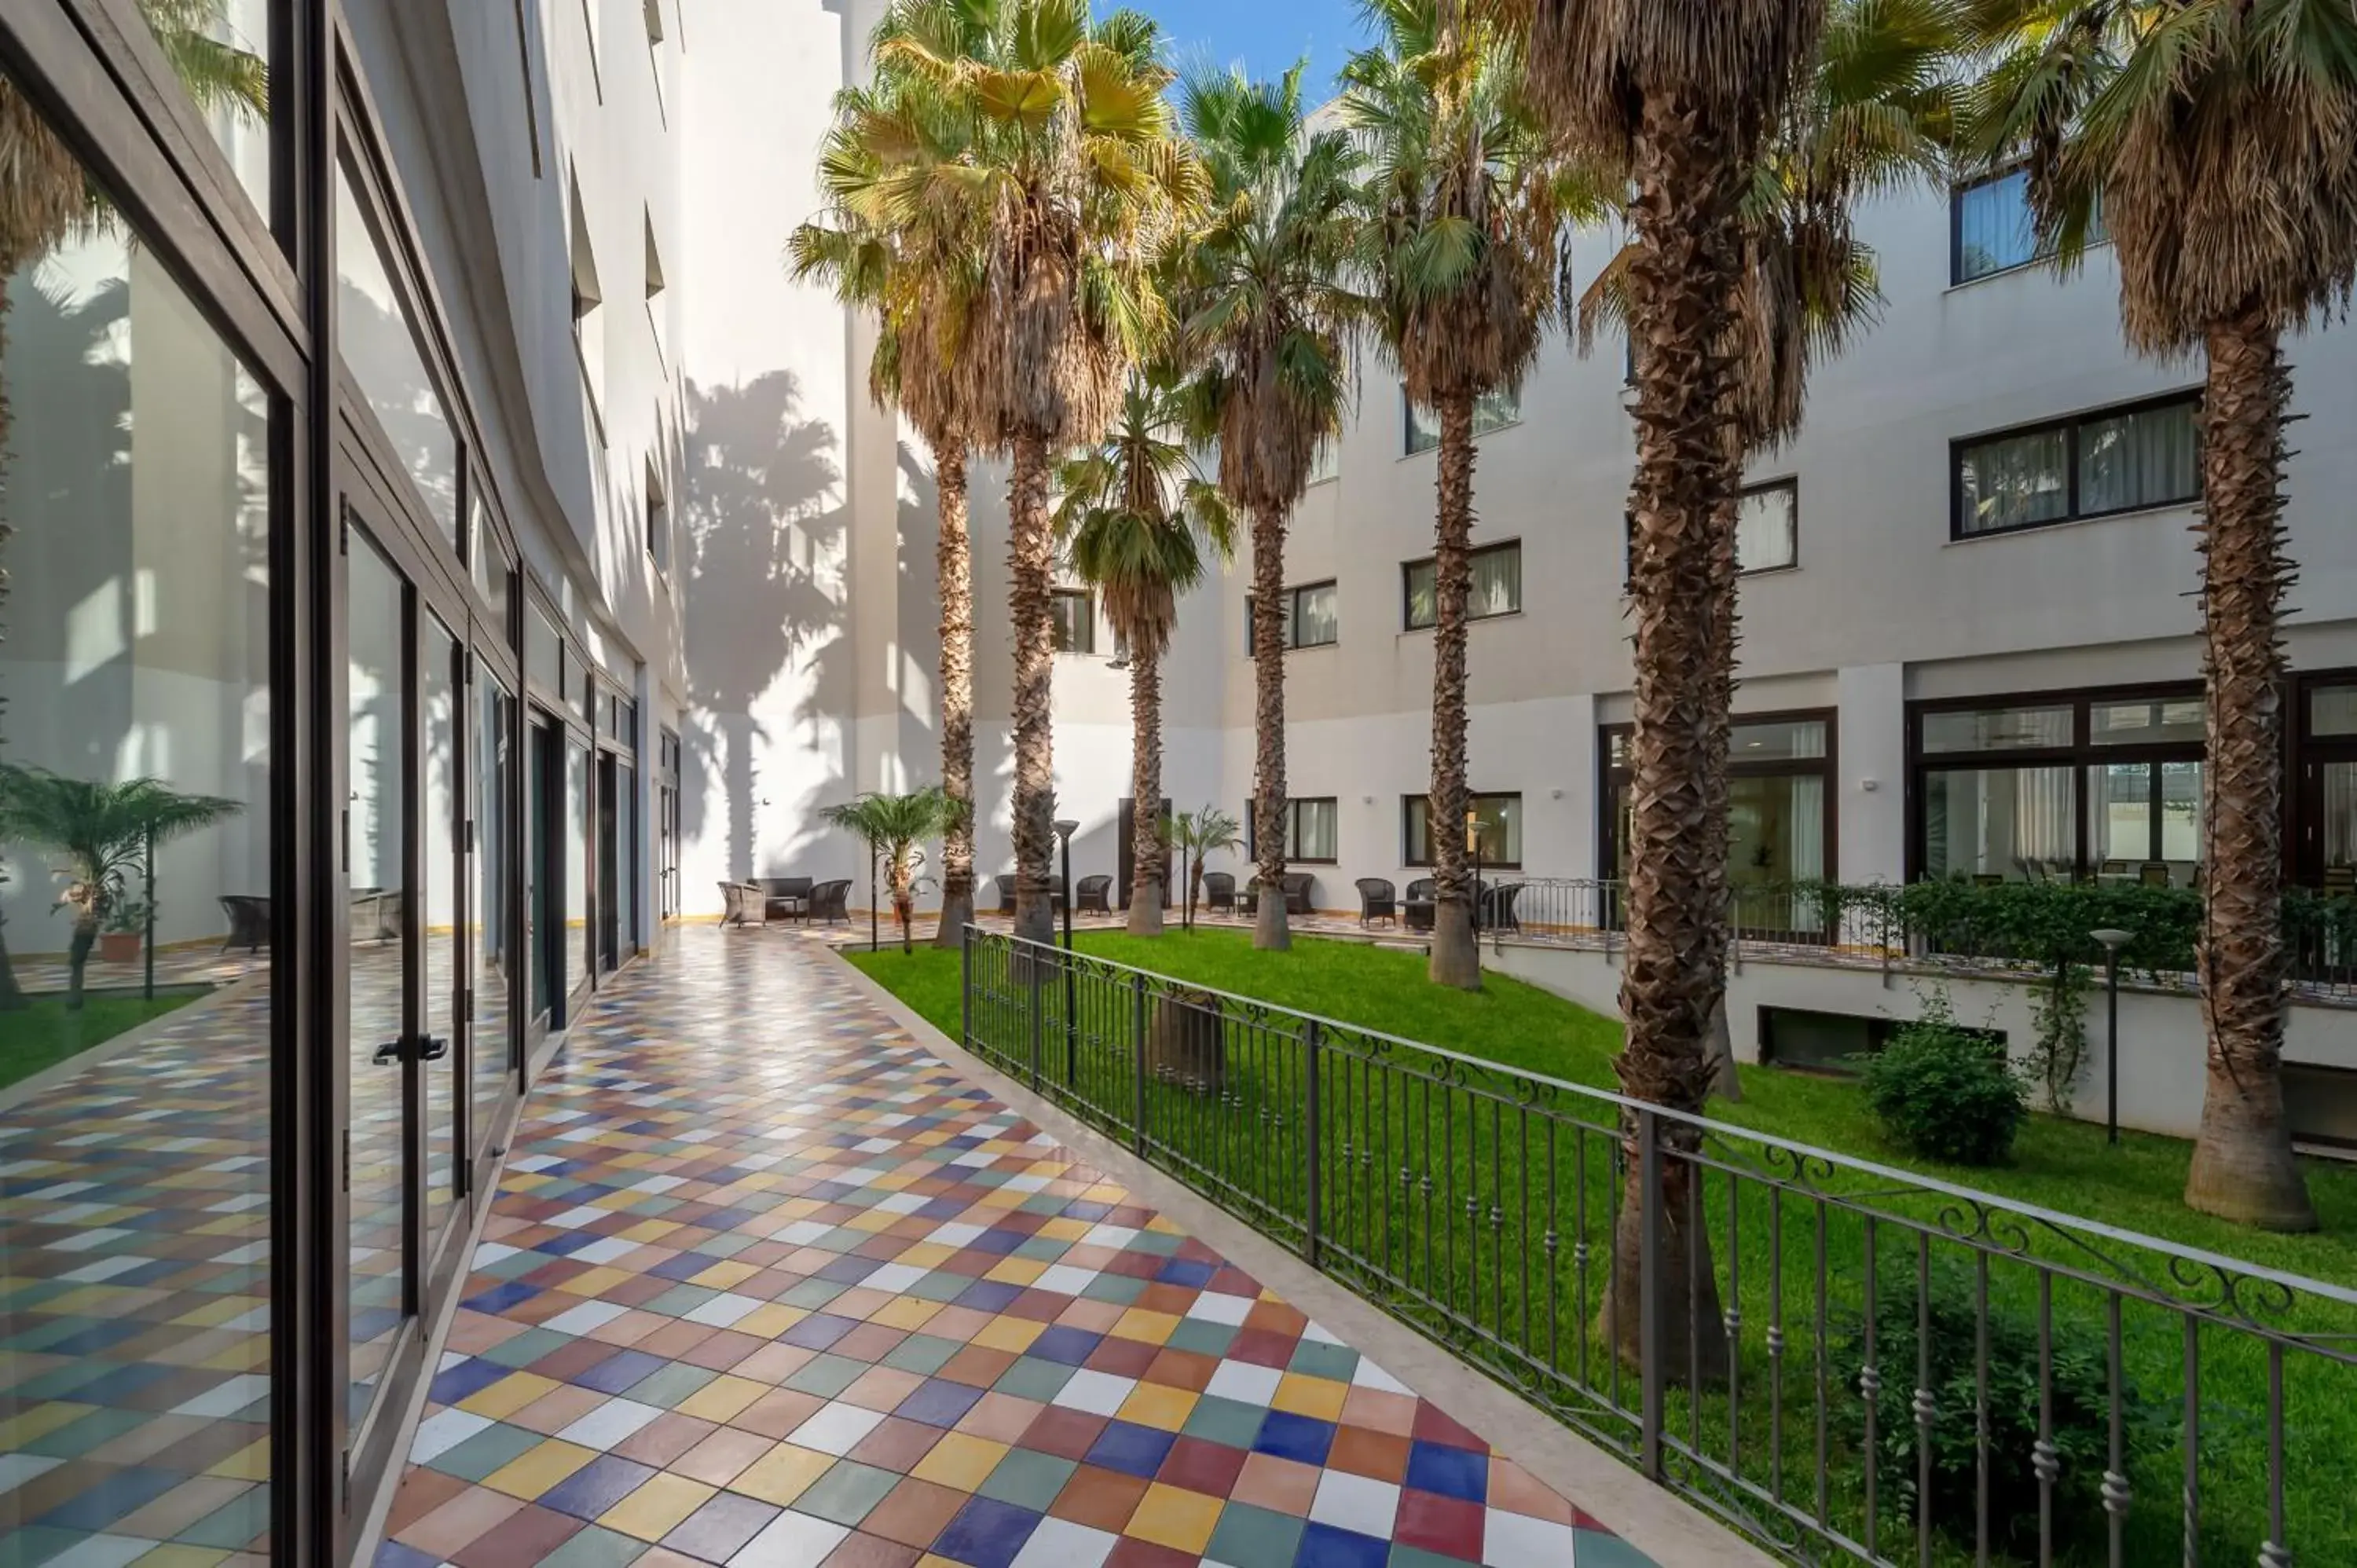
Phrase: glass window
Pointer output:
(1326, 463)
(1311, 831)
(136, 489)
(493, 574)
(2014, 481)
(2015, 823)
(2332, 710)
(1498, 830)
(1492, 411)
(1778, 740)
(2144, 722)
(1074, 613)
(1310, 615)
(2143, 459)
(1497, 588)
(1994, 230)
(381, 347)
(1999, 729)
(578, 804)
(492, 762)
(2122, 460)
(2147, 820)
(1768, 529)
(220, 51)
(544, 651)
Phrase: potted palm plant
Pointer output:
(126, 923)
(896, 828)
(103, 831)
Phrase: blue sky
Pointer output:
(1267, 36)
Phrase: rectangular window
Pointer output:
(658, 518)
(1495, 827)
(221, 50)
(381, 349)
(1311, 616)
(1993, 230)
(1781, 818)
(1074, 612)
(1497, 586)
(1492, 411)
(1326, 462)
(1768, 529)
(1312, 836)
(2119, 460)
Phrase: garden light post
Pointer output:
(1473, 848)
(2111, 941)
(1065, 829)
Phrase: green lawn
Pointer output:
(1468, 1264)
(45, 1034)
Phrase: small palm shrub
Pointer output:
(1946, 1092)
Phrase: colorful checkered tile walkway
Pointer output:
(766, 1285)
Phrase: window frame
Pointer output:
(1409, 804)
(1957, 191)
(1791, 483)
(1408, 622)
(2069, 425)
(1088, 599)
(1609, 779)
(1293, 830)
(1293, 643)
(1408, 448)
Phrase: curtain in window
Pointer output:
(2015, 480)
(1497, 583)
(1422, 595)
(2150, 457)
(1765, 531)
(1318, 622)
(2341, 813)
(1994, 227)
(1314, 836)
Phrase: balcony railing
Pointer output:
(1846, 1362)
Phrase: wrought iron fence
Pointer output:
(1846, 1362)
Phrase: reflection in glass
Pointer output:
(377, 780)
(2146, 820)
(2146, 721)
(492, 573)
(220, 51)
(2332, 710)
(494, 740)
(576, 829)
(1999, 729)
(444, 680)
(539, 918)
(2016, 823)
(626, 793)
(381, 349)
(543, 652)
(135, 987)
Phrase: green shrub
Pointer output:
(2082, 1411)
(1944, 1091)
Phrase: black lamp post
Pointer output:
(2111, 941)
(1065, 829)
(1473, 848)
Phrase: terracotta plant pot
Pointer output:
(118, 947)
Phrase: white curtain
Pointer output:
(2145, 458)
(1497, 582)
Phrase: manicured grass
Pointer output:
(45, 1034)
(1442, 1265)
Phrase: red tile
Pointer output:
(1135, 1553)
(1182, 1370)
(722, 1351)
(978, 1366)
(1434, 1425)
(778, 1412)
(1122, 1357)
(1198, 1466)
(861, 1549)
(896, 1445)
(1275, 1317)
(1066, 1434)
(526, 1536)
(1363, 1451)
(664, 1438)
(1264, 1348)
(914, 1513)
(1102, 1499)
(1449, 1526)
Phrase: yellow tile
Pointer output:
(508, 1395)
(1014, 1334)
(1173, 1517)
(182, 1557)
(655, 1510)
(1164, 1226)
(215, 1312)
(649, 1231)
(959, 1461)
(769, 1322)
(251, 1463)
(894, 1182)
(596, 1281)
(1050, 1169)
(871, 1219)
(38, 1422)
(1065, 1229)
(999, 1198)
(783, 1474)
(722, 1397)
(1152, 1327)
(723, 1275)
(1157, 1405)
(535, 1470)
(1015, 1271)
(1318, 1397)
(927, 1255)
(909, 1312)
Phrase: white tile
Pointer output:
(955, 1233)
(1356, 1502)
(102, 1551)
(802, 1232)
(1061, 1544)
(1518, 1541)
(1212, 1307)
(894, 1277)
(88, 1240)
(838, 1429)
(901, 1203)
(874, 1145)
(1097, 1394)
(226, 1399)
(1245, 1383)
(491, 1252)
(725, 1310)
(16, 1469)
(1367, 1375)
(1108, 1236)
(1024, 1183)
(791, 1540)
(575, 1219)
(604, 1250)
(609, 1423)
(1065, 1280)
(443, 1431)
(581, 1319)
(105, 1269)
(1322, 1335)
(658, 1183)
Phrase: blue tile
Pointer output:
(570, 1243)
(1064, 1344)
(392, 1554)
(849, 1270)
(499, 1298)
(1298, 1437)
(465, 1380)
(1452, 1472)
(999, 1241)
(1132, 1449)
(596, 1486)
(1187, 1273)
(989, 1296)
(1323, 1546)
(620, 1372)
(110, 1498)
(986, 1534)
(683, 1266)
(938, 1403)
(818, 1331)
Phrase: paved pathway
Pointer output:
(766, 1285)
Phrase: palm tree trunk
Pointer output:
(2243, 1168)
(1456, 958)
(1031, 557)
(1145, 791)
(1270, 928)
(12, 995)
(1686, 255)
(954, 569)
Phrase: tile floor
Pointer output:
(766, 1285)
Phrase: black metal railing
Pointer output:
(1846, 1362)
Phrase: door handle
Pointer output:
(387, 1054)
(433, 1050)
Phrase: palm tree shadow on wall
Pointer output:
(761, 529)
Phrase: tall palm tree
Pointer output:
(1270, 314)
(1469, 201)
(1074, 175)
(1683, 94)
(889, 248)
(46, 197)
(2221, 140)
(1135, 515)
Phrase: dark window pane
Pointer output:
(2019, 823)
(2150, 457)
(1074, 616)
(2014, 481)
(1999, 729)
(381, 347)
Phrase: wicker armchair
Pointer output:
(784, 898)
(249, 921)
(1005, 893)
(828, 901)
(1419, 904)
(1498, 905)
(1093, 897)
(1297, 885)
(1378, 900)
(742, 903)
(1219, 891)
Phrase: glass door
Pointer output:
(491, 771)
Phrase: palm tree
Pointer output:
(1136, 514)
(46, 197)
(1470, 201)
(1195, 834)
(1073, 174)
(1683, 94)
(103, 831)
(914, 261)
(896, 828)
(1270, 314)
(2221, 141)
